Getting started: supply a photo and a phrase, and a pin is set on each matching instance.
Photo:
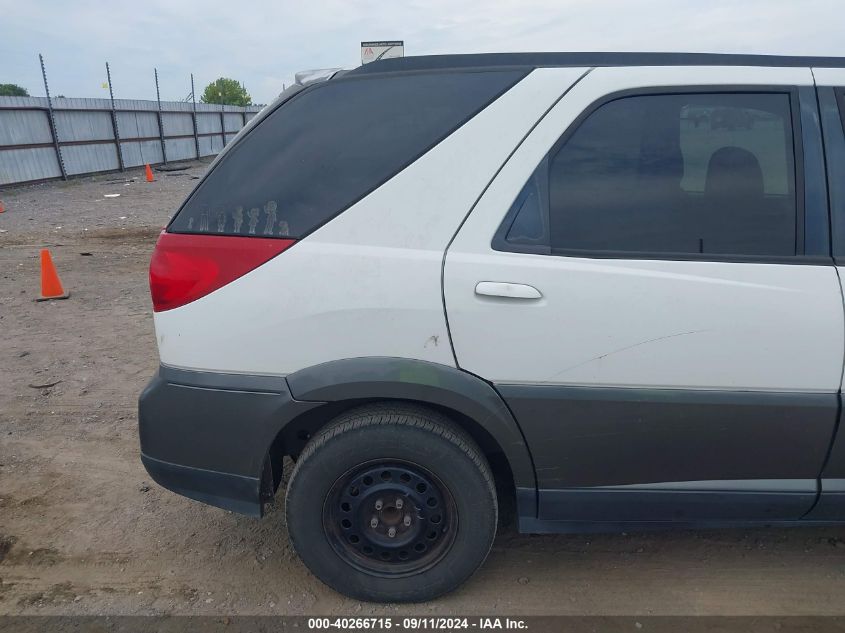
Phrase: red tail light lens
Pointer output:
(186, 267)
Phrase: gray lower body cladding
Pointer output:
(612, 436)
(633, 455)
(206, 435)
(603, 457)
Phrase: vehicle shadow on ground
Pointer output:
(739, 571)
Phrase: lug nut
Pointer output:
(407, 520)
(373, 522)
(391, 532)
(379, 504)
(399, 504)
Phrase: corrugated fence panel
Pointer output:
(137, 124)
(180, 148)
(86, 134)
(24, 127)
(21, 165)
(136, 153)
(208, 122)
(234, 121)
(83, 126)
(176, 124)
(210, 145)
(87, 159)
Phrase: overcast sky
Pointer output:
(262, 43)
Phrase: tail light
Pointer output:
(185, 267)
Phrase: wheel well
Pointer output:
(292, 439)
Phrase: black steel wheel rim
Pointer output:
(390, 518)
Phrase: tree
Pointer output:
(227, 91)
(12, 90)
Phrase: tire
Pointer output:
(399, 467)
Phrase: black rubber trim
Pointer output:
(420, 381)
(563, 59)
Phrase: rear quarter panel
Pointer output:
(368, 283)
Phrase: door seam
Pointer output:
(475, 203)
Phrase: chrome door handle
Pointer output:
(508, 290)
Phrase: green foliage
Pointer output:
(12, 90)
(226, 91)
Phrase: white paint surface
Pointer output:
(636, 323)
(368, 282)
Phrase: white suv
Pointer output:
(602, 285)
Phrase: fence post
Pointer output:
(160, 124)
(194, 117)
(52, 121)
(114, 122)
(223, 124)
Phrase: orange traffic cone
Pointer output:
(149, 173)
(51, 286)
(2, 208)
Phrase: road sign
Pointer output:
(372, 51)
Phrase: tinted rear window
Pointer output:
(689, 173)
(330, 146)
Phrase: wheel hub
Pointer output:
(393, 518)
(390, 518)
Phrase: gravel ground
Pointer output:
(84, 531)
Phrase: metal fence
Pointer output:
(42, 139)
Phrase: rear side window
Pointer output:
(330, 146)
(685, 173)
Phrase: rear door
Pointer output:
(649, 286)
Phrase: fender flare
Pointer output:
(421, 381)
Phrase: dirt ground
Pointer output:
(83, 530)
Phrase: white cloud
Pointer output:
(263, 43)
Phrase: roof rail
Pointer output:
(577, 59)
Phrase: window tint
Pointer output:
(687, 174)
(527, 223)
(329, 146)
(840, 96)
